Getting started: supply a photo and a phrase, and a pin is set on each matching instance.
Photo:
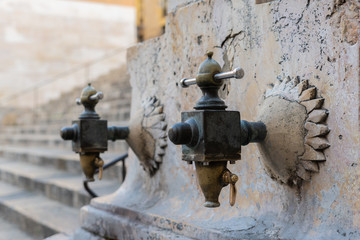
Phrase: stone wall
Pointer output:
(173, 4)
(315, 40)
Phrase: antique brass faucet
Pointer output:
(211, 136)
(145, 135)
(89, 134)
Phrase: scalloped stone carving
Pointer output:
(148, 137)
(296, 125)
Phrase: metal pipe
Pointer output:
(88, 189)
(113, 162)
(237, 73)
(185, 82)
(252, 132)
(97, 96)
(117, 133)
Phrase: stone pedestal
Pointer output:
(315, 40)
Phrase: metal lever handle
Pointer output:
(97, 96)
(237, 73)
(232, 197)
(99, 163)
(230, 178)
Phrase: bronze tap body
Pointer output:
(90, 134)
(211, 136)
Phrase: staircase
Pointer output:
(41, 182)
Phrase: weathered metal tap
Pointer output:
(89, 134)
(145, 135)
(211, 136)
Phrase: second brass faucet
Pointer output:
(145, 135)
(90, 134)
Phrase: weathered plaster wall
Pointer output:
(173, 4)
(316, 40)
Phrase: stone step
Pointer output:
(11, 231)
(59, 236)
(112, 110)
(35, 214)
(60, 159)
(45, 140)
(50, 140)
(31, 129)
(54, 128)
(64, 187)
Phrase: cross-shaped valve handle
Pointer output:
(237, 73)
(89, 98)
(96, 96)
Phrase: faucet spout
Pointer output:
(209, 177)
(89, 163)
(212, 178)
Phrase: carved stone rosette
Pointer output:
(296, 124)
(148, 138)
